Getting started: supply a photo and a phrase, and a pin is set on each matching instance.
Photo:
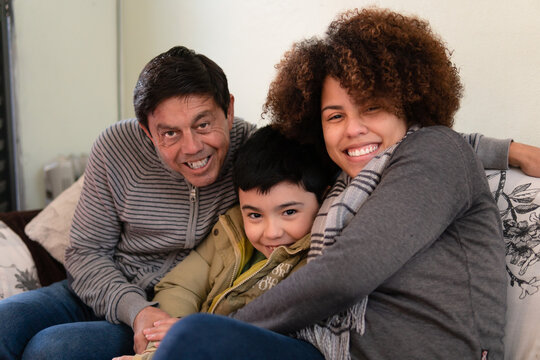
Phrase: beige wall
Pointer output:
(66, 61)
(495, 45)
(65, 82)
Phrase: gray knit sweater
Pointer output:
(136, 219)
(428, 250)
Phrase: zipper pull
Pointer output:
(193, 194)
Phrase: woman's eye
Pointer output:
(335, 117)
(289, 212)
(373, 108)
(254, 215)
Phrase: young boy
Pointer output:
(257, 243)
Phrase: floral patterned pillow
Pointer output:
(518, 199)
(17, 269)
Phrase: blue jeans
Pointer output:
(53, 323)
(204, 336)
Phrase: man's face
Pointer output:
(191, 135)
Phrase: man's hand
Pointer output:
(157, 333)
(526, 157)
(145, 319)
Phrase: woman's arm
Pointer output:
(525, 157)
(425, 187)
(492, 152)
(499, 153)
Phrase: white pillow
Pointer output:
(17, 269)
(518, 199)
(51, 226)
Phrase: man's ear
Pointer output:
(230, 112)
(146, 131)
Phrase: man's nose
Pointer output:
(191, 143)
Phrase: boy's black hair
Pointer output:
(268, 158)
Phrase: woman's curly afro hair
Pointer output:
(374, 53)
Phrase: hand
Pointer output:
(526, 157)
(145, 319)
(157, 333)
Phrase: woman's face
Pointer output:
(354, 133)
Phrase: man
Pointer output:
(154, 187)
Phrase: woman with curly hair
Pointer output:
(407, 255)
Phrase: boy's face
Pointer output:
(280, 217)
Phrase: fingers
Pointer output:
(140, 342)
(157, 333)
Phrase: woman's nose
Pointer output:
(356, 126)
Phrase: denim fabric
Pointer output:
(205, 336)
(53, 323)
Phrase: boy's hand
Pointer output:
(157, 333)
(526, 157)
(145, 319)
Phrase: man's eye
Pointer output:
(289, 212)
(169, 134)
(204, 125)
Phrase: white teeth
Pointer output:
(363, 151)
(198, 164)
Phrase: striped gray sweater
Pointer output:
(136, 219)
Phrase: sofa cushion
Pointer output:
(17, 269)
(518, 199)
(49, 270)
(51, 226)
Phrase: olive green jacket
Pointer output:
(210, 278)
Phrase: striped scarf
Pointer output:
(332, 336)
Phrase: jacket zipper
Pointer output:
(223, 295)
(193, 214)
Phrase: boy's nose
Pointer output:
(273, 230)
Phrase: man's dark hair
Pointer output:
(268, 158)
(178, 72)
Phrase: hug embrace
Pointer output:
(378, 237)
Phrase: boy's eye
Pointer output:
(289, 212)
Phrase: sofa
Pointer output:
(32, 247)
